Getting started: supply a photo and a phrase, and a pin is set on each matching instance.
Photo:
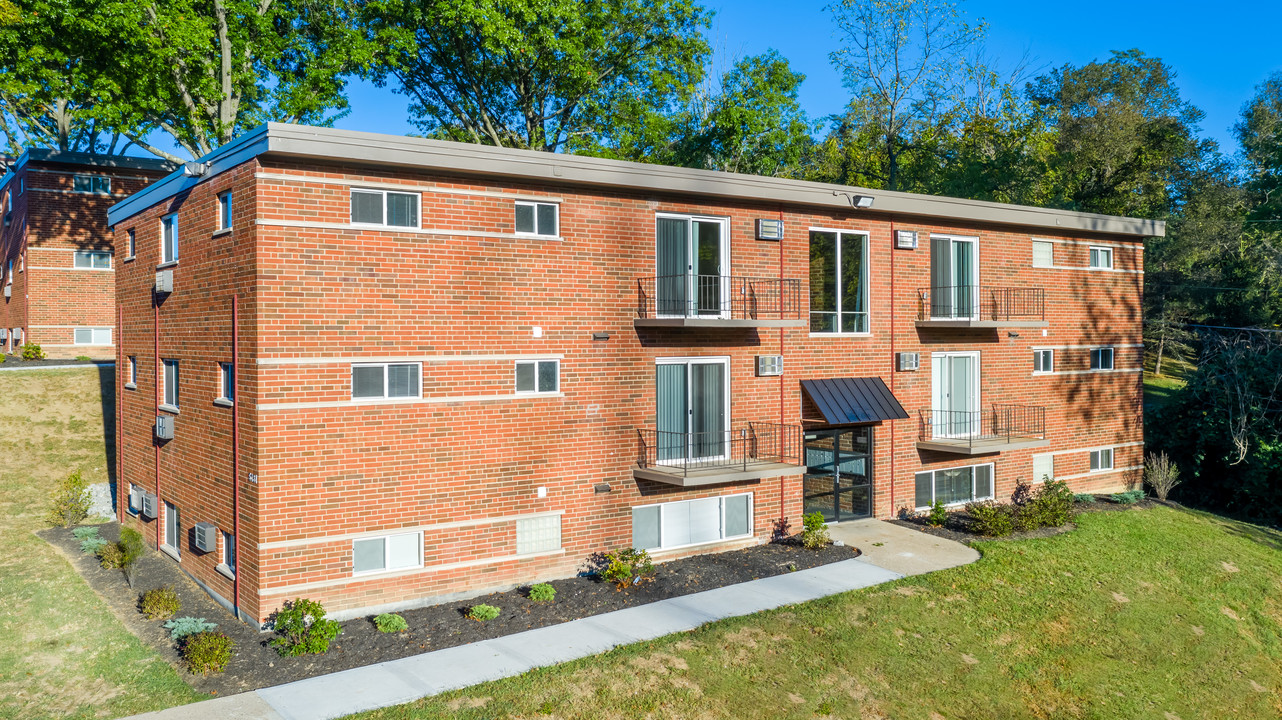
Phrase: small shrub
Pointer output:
(83, 358)
(3, 357)
(69, 501)
(90, 541)
(160, 603)
(131, 551)
(483, 612)
(206, 652)
(542, 592)
(1084, 498)
(627, 567)
(780, 531)
(1130, 497)
(1050, 506)
(937, 515)
(814, 533)
(32, 351)
(1023, 493)
(180, 628)
(1161, 474)
(111, 556)
(85, 531)
(303, 629)
(991, 519)
(390, 623)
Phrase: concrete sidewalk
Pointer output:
(900, 549)
(401, 681)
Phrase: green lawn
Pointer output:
(64, 654)
(1141, 614)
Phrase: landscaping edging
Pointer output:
(255, 665)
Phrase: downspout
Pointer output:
(782, 385)
(120, 413)
(235, 450)
(155, 336)
(894, 359)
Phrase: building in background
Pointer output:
(379, 371)
(59, 259)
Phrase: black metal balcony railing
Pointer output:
(738, 448)
(997, 424)
(719, 296)
(973, 302)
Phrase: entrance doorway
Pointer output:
(838, 479)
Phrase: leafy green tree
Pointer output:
(535, 74)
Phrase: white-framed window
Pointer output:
(9, 273)
(538, 376)
(385, 208)
(169, 238)
(229, 551)
(838, 281)
(385, 380)
(22, 185)
(954, 486)
(389, 552)
(170, 390)
(1101, 258)
(173, 527)
(1101, 459)
(538, 534)
(1043, 361)
(135, 499)
(226, 382)
(133, 372)
(691, 522)
(537, 218)
(131, 242)
(1102, 358)
(224, 211)
(93, 336)
(1043, 254)
(91, 184)
(1043, 468)
(92, 260)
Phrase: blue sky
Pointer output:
(1218, 58)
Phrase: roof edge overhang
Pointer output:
(329, 144)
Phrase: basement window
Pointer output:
(691, 522)
(954, 486)
(1101, 459)
(92, 260)
(538, 534)
(1102, 358)
(390, 552)
(382, 208)
(537, 219)
(93, 336)
(385, 380)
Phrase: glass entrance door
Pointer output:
(838, 480)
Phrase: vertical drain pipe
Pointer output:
(894, 362)
(155, 336)
(782, 385)
(120, 413)
(235, 450)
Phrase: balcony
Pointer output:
(719, 301)
(1001, 427)
(973, 306)
(753, 451)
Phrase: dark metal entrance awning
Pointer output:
(851, 401)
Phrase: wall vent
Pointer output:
(909, 361)
(768, 365)
(206, 536)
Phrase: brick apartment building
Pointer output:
(436, 369)
(58, 256)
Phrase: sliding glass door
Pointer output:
(692, 403)
(954, 277)
(954, 407)
(692, 256)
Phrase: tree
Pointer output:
(903, 60)
(534, 74)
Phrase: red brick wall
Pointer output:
(316, 296)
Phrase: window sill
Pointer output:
(131, 386)
(221, 231)
(169, 408)
(536, 236)
(131, 258)
(1037, 373)
(369, 574)
(169, 264)
(223, 402)
(840, 335)
(225, 571)
(170, 551)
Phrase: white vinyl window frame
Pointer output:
(1101, 459)
(132, 361)
(974, 292)
(91, 260)
(692, 277)
(1103, 358)
(722, 531)
(227, 555)
(387, 382)
(1043, 361)
(91, 184)
(226, 384)
(131, 243)
(386, 567)
(91, 336)
(1046, 248)
(534, 208)
(537, 365)
(976, 377)
(1101, 258)
(169, 238)
(224, 211)
(384, 194)
(934, 482)
(173, 529)
(169, 388)
(724, 361)
(863, 281)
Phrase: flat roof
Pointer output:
(394, 151)
(47, 155)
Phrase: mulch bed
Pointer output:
(16, 361)
(958, 525)
(255, 665)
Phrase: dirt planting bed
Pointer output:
(256, 665)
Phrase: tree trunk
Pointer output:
(1161, 347)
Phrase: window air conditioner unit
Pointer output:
(149, 505)
(768, 365)
(906, 239)
(909, 361)
(135, 498)
(8, 291)
(164, 282)
(768, 229)
(164, 427)
(206, 537)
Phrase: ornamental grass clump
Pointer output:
(303, 629)
(69, 502)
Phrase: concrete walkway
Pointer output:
(900, 549)
(401, 681)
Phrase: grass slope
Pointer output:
(64, 654)
(1143, 614)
